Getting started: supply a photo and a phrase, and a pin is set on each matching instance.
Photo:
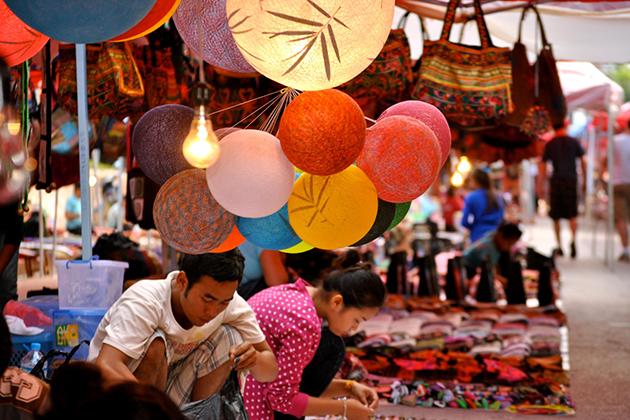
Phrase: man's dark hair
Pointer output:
(509, 231)
(225, 266)
(5, 345)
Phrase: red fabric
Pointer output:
(31, 316)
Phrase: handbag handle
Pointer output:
(403, 22)
(449, 19)
(543, 35)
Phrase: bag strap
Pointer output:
(449, 19)
(540, 25)
(403, 22)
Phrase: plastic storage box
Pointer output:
(70, 327)
(95, 284)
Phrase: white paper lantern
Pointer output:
(310, 44)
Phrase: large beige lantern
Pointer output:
(310, 44)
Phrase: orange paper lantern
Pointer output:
(331, 212)
(157, 16)
(401, 157)
(322, 132)
(18, 41)
(235, 239)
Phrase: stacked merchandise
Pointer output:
(494, 358)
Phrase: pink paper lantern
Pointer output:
(401, 157)
(204, 28)
(427, 114)
(253, 177)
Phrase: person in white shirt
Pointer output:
(184, 334)
(621, 184)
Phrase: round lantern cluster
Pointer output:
(325, 180)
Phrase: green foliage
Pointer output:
(620, 73)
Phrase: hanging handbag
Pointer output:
(388, 79)
(114, 85)
(469, 84)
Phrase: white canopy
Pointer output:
(586, 87)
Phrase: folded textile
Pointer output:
(18, 327)
(493, 347)
(31, 316)
(376, 326)
(376, 341)
(505, 329)
(513, 317)
(410, 326)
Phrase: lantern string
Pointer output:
(261, 111)
(245, 103)
(287, 97)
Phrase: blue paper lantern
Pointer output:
(269, 232)
(81, 21)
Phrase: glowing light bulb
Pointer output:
(464, 166)
(457, 180)
(201, 147)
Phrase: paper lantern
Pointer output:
(157, 16)
(270, 232)
(223, 132)
(429, 115)
(311, 44)
(235, 239)
(401, 211)
(18, 42)
(299, 248)
(81, 21)
(384, 217)
(333, 211)
(158, 138)
(322, 133)
(203, 26)
(187, 216)
(252, 177)
(402, 158)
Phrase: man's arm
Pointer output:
(6, 254)
(273, 268)
(258, 358)
(113, 363)
(583, 165)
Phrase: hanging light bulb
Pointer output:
(464, 166)
(457, 180)
(201, 146)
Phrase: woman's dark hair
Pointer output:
(359, 286)
(482, 179)
(224, 266)
(312, 265)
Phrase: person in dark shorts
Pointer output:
(563, 151)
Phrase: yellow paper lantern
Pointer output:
(299, 248)
(310, 44)
(335, 211)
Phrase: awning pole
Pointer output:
(84, 153)
(610, 226)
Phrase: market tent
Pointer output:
(584, 31)
(586, 87)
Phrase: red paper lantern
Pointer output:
(18, 41)
(427, 114)
(322, 132)
(402, 158)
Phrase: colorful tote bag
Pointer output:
(388, 79)
(469, 84)
(114, 83)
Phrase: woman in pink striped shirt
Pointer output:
(291, 317)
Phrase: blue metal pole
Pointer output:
(84, 153)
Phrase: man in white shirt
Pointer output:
(621, 184)
(185, 334)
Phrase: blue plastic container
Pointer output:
(70, 327)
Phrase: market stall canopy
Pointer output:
(578, 30)
(586, 87)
